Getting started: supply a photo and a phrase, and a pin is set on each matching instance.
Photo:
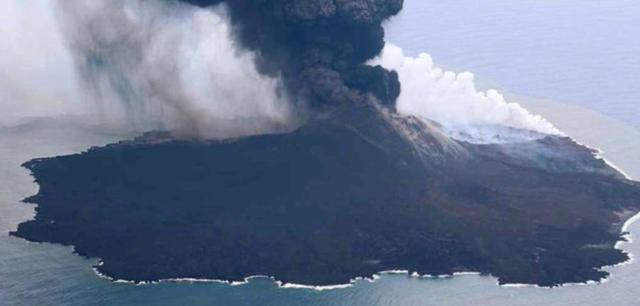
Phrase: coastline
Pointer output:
(375, 276)
(618, 245)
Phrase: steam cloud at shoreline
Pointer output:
(452, 100)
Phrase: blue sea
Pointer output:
(576, 62)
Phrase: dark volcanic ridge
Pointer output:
(354, 192)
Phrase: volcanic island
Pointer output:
(355, 190)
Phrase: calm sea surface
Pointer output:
(585, 54)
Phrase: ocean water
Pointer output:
(576, 58)
(582, 52)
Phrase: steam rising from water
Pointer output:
(150, 65)
(451, 99)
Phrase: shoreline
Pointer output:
(376, 276)
(623, 230)
(623, 227)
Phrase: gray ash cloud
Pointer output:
(159, 65)
(319, 47)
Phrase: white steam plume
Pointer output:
(152, 65)
(451, 99)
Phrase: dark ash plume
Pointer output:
(318, 46)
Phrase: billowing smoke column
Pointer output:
(161, 65)
(319, 46)
(136, 65)
(452, 100)
(333, 51)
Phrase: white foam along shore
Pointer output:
(354, 281)
(627, 239)
(351, 283)
(280, 284)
